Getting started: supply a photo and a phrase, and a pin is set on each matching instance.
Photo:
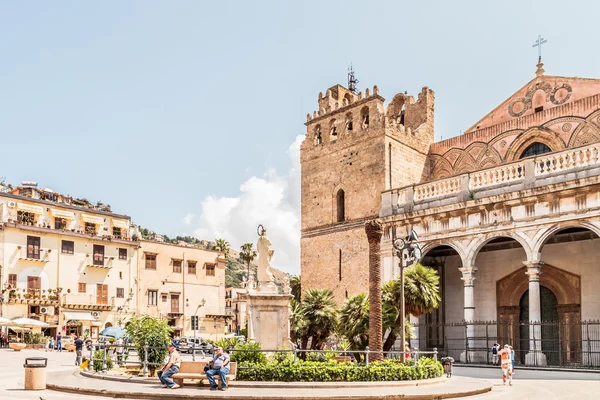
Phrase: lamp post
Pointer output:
(195, 327)
(408, 251)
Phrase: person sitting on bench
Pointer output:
(219, 365)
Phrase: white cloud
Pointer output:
(188, 218)
(272, 200)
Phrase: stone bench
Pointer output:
(195, 370)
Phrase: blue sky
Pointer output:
(186, 114)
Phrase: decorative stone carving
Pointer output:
(567, 96)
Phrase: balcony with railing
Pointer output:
(530, 173)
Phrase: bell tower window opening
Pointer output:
(535, 149)
(364, 116)
(333, 130)
(318, 139)
(340, 202)
(349, 126)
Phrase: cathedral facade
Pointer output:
(508, 213)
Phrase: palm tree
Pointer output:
(320, 314)
(421, 294)
(354, 322)
(247, 255)
(374, 231)
(297, 321)
(223, 246)
(296, 286)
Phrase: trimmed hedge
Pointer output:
(310, 371)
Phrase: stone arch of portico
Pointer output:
(544, 234)
(456, 246)
(479, 242)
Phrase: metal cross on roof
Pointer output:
(538, 43)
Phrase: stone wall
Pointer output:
(320, 258)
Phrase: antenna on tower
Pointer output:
(352, 81)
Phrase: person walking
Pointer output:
(506, 365)
(78, 350)
(119, 351)
(59, 343)
(495, 350)
(512, 360)
(171, 368)
(51, 344)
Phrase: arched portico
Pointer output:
(447, 260)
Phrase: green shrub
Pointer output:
(98, 357)
(281, 357)
(316, 356)
(310, 371)
(254, 357)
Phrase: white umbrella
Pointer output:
(5, 321)
(28, 322)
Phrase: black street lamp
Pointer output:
(409, 252)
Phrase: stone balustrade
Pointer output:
(496, 176)
(523, 174)
(437, 188)
(567, 160)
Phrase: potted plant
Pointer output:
(344, 357)
(28, 295)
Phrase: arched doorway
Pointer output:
(432, 327)
(549, 322)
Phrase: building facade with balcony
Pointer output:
(236, 306)
(65, 262)
(177, 282)
(508, 213)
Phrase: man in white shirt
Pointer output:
(219, 365)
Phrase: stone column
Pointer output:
(468, 278)
(374, 231)
(535, 355)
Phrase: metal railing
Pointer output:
(546, 343)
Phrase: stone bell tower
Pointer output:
(355, 149)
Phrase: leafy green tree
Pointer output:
(354, 322)
(149, 331)
(320, 315)
(223, 246)
(296, 287)
(247, 255)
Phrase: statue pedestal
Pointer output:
(269, 317)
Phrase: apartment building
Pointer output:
(178, 281)
(65, 261)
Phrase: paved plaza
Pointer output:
(528, 384)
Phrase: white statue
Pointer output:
(264, 258)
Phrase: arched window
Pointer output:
(349, 126)
(332, 130)
(341, 216)
(364, 116)
(318, 138)
(535, 149)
